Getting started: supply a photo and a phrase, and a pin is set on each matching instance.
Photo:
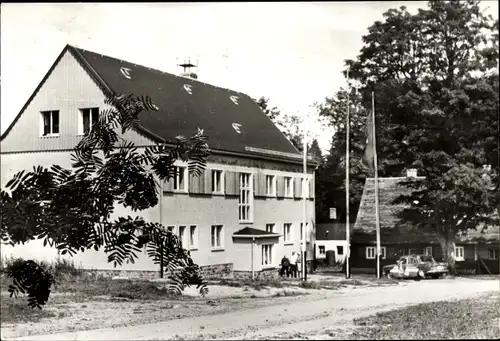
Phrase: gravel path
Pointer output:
(308, 317)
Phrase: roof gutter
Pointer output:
(263, 157)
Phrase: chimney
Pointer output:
(187, 72)
(411, 173)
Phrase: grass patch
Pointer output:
(128, 289)
(465, 319)
(17, 311)
(256, 284)
(311, 285)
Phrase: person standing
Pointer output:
(293, 264)
(285, 267)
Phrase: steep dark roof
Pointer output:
(389, 189)
(208, 107)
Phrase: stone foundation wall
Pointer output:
(216, 271)
(267, 274)
(128, 274)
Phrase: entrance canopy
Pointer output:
(251, 233)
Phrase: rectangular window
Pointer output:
(307, 231)
(288, 186)
(246, 197)
(492, 253)
(287, 232)
(217, 181)
(340, 250)
(217, 237)
(428, 251)
(459, 253)
(382, 252)
(270, 228)
(171, 229)
(322, 249)
(270, 185)
(88, 117)
(267, 254)
(180, 183)
(305, 188)
(193, 237)
(371, 252)
(182, 236)
(50, 123)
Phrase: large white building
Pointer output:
(240, 217)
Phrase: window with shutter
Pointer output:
(280, 186)
(196, 183)
(311, 188)
(168, 186)
(297, 188)
(231, 183)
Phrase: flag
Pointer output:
(368, 158)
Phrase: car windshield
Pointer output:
(427, 259)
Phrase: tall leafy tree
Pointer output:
(435, 79)
(71, 209)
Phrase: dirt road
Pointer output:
(308, 317)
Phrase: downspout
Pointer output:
(161, 222)
(253, 273)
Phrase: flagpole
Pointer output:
(375, 162)
(347, 162)
(304, 201)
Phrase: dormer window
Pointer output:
(188, 88)
(50, 123)
(125, 72)
(234, 99)
(88, 117)
(236, 127)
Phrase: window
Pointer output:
(50, 123)
(217, 237)
(428, 251)
(404, 252)
(87, 118)
(492, 253)
(371, 252)
(180, 183)
(171, 229)
(217, 181)
(382, 252)
(459, 253)
(267, 254)
(270, 228)
(340, 250)
(182, 236)
(270, 185)
(288, 186)
(287, 232)
(322, 249)
(245, 199)
(305, 188)
(193, 237)
(307, 230)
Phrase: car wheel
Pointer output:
(388, 274)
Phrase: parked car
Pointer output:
(415, 266)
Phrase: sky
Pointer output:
(292, 53)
